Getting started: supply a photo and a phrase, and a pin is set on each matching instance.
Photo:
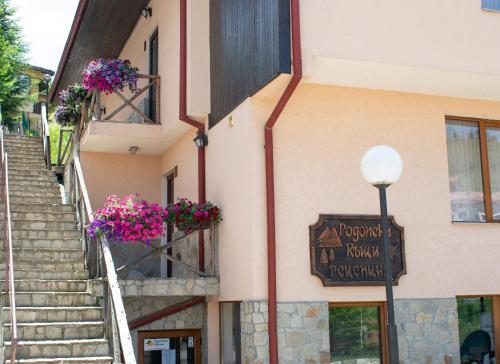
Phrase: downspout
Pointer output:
(197, 124)
(269, 160)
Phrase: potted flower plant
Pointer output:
(188, 216)
(110, 75)
(68, 111)
(128, 219)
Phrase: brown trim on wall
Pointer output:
(167, 311)
(382, 306)
(172, 173)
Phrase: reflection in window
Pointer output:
(493, 143)
(475, 322)
(464, 166)
(493, 5)
(355, 335)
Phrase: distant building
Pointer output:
(29, 119)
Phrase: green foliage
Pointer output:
(54, 140)
(470, 310)
(14, 87)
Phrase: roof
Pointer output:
(45, 71)
(100, 30)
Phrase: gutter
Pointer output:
(270, 196)
(75, 27)
(197, 124)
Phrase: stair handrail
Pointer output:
(117, 309)
(7, 246)
(46, 136)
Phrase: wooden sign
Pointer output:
(347, 250)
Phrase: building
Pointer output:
(290, 95)
(29, 121)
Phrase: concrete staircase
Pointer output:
(59, 320)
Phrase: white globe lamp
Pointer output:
(381, 165)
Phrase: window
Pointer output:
(477, 331)
(230, 332)
(474, 169)
(357, 333)
(492, 5)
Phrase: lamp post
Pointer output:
(382, 166)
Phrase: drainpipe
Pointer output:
(197, 124)
(269, 160)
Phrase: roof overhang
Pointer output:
(100, 30)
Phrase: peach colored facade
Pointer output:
(390, 77)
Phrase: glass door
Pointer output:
(357, 333)
(170, 347)
(478, 329)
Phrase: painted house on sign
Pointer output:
(282, 98)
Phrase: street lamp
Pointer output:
(382, 166)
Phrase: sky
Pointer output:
(46, 24)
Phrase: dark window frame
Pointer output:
(382, 306)
(482, 124)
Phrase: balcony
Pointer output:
(113, 123)
(162, 268)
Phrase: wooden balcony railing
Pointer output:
(149, 95)
(174, 259)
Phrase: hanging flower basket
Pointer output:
(110, 75)
(189, 216)
(128, 220)
(68, 112)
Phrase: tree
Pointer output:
(14, 86)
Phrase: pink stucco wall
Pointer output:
(121, 174)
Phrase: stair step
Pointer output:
(33, 179)
(43, 285)
(22, 170)
(56, 193)
(57, 330)
(64, 265)
(32, 165)
(55, 244)
(59, 348)
(41, 299)
(42, 216)
(86, 360)
(28, 183)
(41, 207)
(40, 225)
(30, 199)
(48, 274)
(45, 234)
(51, 188)
(61, 255)
(55, 314)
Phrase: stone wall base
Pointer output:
(427, 332)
